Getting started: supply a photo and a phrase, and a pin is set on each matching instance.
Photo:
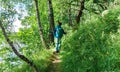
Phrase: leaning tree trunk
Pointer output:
(29, 62)
(40, 26)
(81, 8)
(51, 20)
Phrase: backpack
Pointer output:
(58, 32)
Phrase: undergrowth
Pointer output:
(40, 58)
(94, 47)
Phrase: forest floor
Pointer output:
(54, 66)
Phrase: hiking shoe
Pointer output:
(57, 51)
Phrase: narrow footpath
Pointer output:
(55, 64)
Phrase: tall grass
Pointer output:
(95, 46)
(40, 58)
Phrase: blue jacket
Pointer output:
(58, 31)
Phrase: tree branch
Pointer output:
(29, 62)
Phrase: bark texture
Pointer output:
(81, 8)
(44, 43)
(51, 21)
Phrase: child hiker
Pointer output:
(58, 34)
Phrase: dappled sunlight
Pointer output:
(59, 36)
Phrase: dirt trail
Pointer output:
(55, 64)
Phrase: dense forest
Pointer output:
(91, 42)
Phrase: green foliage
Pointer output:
(93, 48)
(1, 36)
(14, 64)
(112, 21)
(42, 59)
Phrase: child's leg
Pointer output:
(57, 44)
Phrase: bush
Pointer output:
(93, 47)
(40, 58)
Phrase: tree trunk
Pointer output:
(69, 14)
(29, 62)
(80, 11)
(51, 20)
(40, 26)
